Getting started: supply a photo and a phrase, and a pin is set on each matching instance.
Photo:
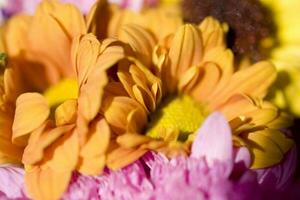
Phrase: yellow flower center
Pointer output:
(62, 91)
(177, 115)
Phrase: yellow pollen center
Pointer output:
(177, 115)
(62, 91)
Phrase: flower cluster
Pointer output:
(116, 103)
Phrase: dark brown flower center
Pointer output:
(249, 21)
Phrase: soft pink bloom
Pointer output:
(214, 141)
(82, 187)
(11, 7)
(135, 5)
(204, 175)
(11, 182)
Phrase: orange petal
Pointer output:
(117, 109)
(15, 32)
(92, 154)
(59, 23)
(212, 33)
(85, 52)
(31, 111)
(236, 105)
(46, 183)
(186, 50)
(253, 81)
(7, 148)
(63, 154)
(140, 40)
(121, 157)
(41, 139)
(208, 82)
(100, 10)
(131, 140)
(112, 51)
(66, 113)
(90, 96)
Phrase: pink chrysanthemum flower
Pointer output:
(213, 171)
(11, 7)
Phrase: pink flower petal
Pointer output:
(12, 181)
(214, 141)
(242, 155)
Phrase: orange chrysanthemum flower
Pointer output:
(41, 104)
(159, 103)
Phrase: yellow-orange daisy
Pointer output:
(159, 106)
(40, 103)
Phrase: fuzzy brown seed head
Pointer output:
(248, 20)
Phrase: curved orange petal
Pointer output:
(121, 157)
(85, 52)
(66, 112)
(140, 40)
(92, 91)
(186, 50)
(59, 24)
(207, 83)
(212, 34)
(15, 33)
(44, 183)
(118, 111)
(32, 110)
(63, 154)
(93, 151)
(41, 139)
(253, 81)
